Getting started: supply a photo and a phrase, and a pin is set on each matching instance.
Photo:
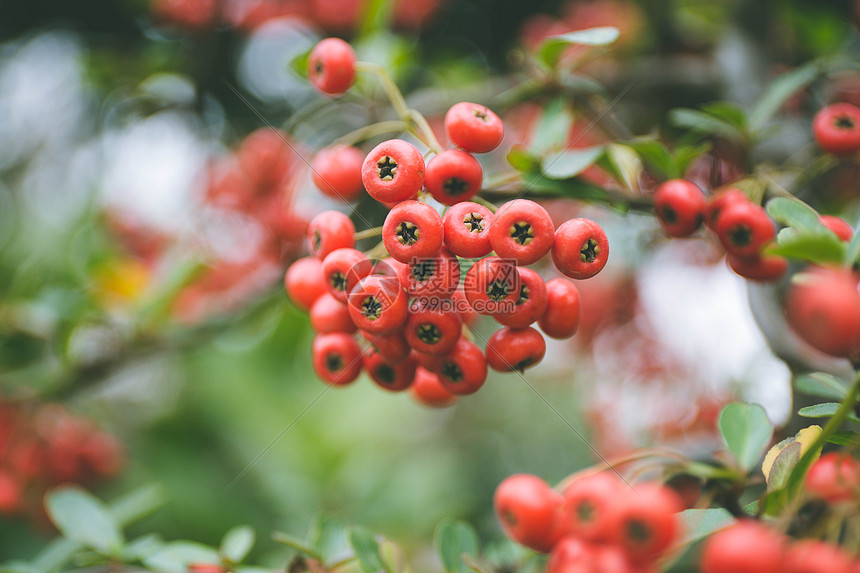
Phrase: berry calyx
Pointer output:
(464, 370)
(342, 268)
(433, 328)
(331, 66)
(393, 377)
(646, 524)
(531, 303)
(492, 286)
(436, 276)
(588, 504)
(744, 228)
(377, 304)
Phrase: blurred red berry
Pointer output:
(528, 509)
(837, 128)
(746, 547)
(680, 207)
(834, 477)
(336, 171)
(744, 228)
(331, 66)
(510, 350)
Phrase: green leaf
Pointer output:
(570, 163)
(142, 547)
(366, 549)
(522, 160)
(553, 129)
(817, 248)
(175, 557)
(452, 539)
(137, 504)
(656, 157)
(728, 112)
(821, 384)
(845, 438)
(328, 538)
(746, 431)
(795, 213)
(81, 517)
(552, 48)
(580, 83)
(623, 163)
(299, 64)
(704, 123)
(299, 545)
(376, 16)
(699, 523)
(237, 543)
(779, 91)
(824, 410)
(685, 155)
(574, 188)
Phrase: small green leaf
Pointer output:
(706, 124)
(813, 247)
(779, 91)
(623, 163)
(685, 155)
(746, 431)
(237, 543)
(175, 557)
(328, 538)
(553, 128)
(522, 160)
(366, 549)
(699, 523)
(142, 547)
(824, 410)
(845, 438)
(656, 157)
(552, 48)
(299, 64)
(570, 163)
(795, 213)
(580, 83)
(452, 539)
(728, 112)
(81, 517)
(821, 384)
(300, 546)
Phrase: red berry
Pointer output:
(474, 127)
(746, 547)
(463, 308)
(813, 556)
(761, 267)
(680, 206)
(266, 158)
(646, 523)
(10, 494)
(466, 227)
(509, 349)
(521, 230)
(572, 555)
(581, 248)
(331, 315)
(453, 176)
(427, 390)
(336, 171)
(492, 286)
(378, 305)
(331, 66)
(194, 15)
(304, 282)
(412, 230)
(744, 228)
(834, 477)
(341, 268)
(393, 171)
(328, 231)
(205, 568)
(823, 307)
(528, 508)
(386, 267)
(464, 370)
(530, 305)
(391, 346)
(588, 504)
(720, 201)
(837, 128)
(563, 308)
(433, 277)
(336, 358)
(840, 227)
(390, 376)
(433, 328)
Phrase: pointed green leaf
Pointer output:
(779, 91)
(699, 523)
(366, 549)
(795, 213)
(623, 163)
(175, 557)
(852, 252)
(570, 163)
(237, 543)
(299, 64)
(328, 538)
(845, 438)
(550, 50)
(813, 247)
(656, 157)
(522, 160)
(685, 155)
(728, 112)
(553, 128)
(453, 539)
(746, 431)
(81, 517)
(821, 384)
(704, 123)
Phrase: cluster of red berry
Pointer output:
(46, 445)
(410, 307)
(596, 523)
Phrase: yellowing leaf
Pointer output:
(805, 437)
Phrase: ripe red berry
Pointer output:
(466, 227)
(813, 556)
(427, 390)
(392, 346)
(646, 524)
(680, 207)
(336, 358)
(528, 508)
(581, 248)
(761, 267)
(718, 202)
(331, 315)
(588, 505)
(474, 127)
(387, 375)
(837, 128)
(304, 282)
(340, 268)
(434, 277)
(492, 286)
(412, 230)
(522, 230)
(453, 176)
(823, 307)
(840, 227)
(331, 66)
(393, 171)
(834, 477)
(746, 547)
(10, 494)
(563, 308)
(572, 555)
(530, 305)
(511, 349)
(336, 171)
(265, 158)
(464, 370)
(328, 231)
(433, 328)
(378, 305)
(463, 308)
(744, 228)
